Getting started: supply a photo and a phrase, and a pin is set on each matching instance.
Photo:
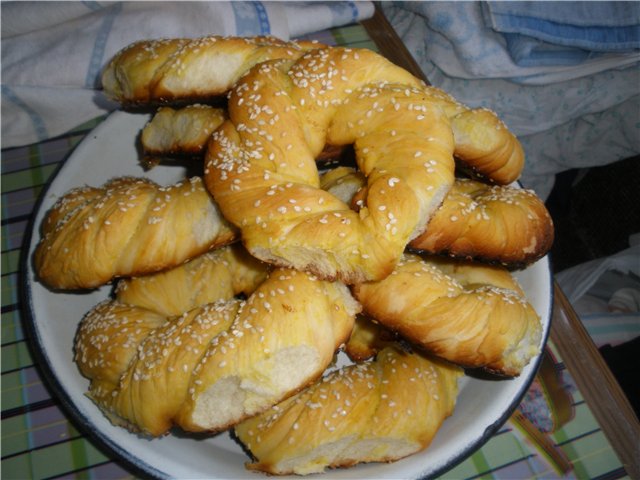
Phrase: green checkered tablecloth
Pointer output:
(40, 441)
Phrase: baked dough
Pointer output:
(129, 226)
(497, 224)
(261, 166)
(179, 132)
(219, 274)
(377, 411)
(217, 364)
(473, 315)
(181, 70)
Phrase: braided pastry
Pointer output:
(377, 411)
(476, 221)
(183, 347)
(484, 144)
(220, 274)
(185, 132)
(260, 164)
(486, 148)
(179, 132)
(182, 69)
(108, 338)
(216, 364)
(501, 224)
(130, 226)
(472, 315)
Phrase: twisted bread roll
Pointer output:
(217, 364)
(377, 411)
(181, 69)
(499, 224)
(476, 221)
(261, 170)
(108, 339)
(130, 226)
(183, 131)
(486, 147)
(140, 362)
(472, 315)
(220, 274)
(484, 144)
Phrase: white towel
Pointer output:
(605, 293)
(53, 52)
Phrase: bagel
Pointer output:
(178, 70)
(472, 315)
(378, 411)
(129, 226)
(217, 364)
(261, 171)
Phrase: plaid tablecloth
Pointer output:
(40, 441)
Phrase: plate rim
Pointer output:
(135, 464)
(33, 337)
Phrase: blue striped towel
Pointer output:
(564, 33)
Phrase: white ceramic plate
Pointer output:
(110, 151)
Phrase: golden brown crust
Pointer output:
(472, 315)
(129, 226)
(484, 145)
(180, 69)
(284, 337)
(211, 367)
(494, 224)
(104, 349)
(179, 348)
(497, 224)
(183, 131)
(367, 339)
(377, 411)
(261, 163)
(145, 392)
(222, 273)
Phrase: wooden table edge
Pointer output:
(596, 382)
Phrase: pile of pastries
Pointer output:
(342, 206)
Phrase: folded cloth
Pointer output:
(597, 26)
(462, 45)
(564, 33)
(583, 121)
(53, 52)
(530, 52)
(605, 293)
